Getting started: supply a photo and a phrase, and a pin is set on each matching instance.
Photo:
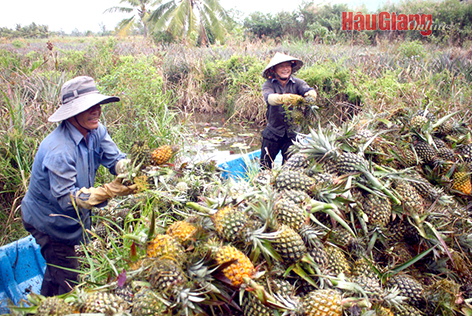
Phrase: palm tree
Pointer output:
(141, 6)
(189, 19)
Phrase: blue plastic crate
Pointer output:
(22, 269)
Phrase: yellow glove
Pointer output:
(311, 93)
(87, 198)
(288, 98)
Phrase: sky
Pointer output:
(88, 15)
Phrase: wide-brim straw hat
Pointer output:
(78, 95)
(281, 58)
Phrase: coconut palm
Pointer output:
(190, 19)
(141, 6)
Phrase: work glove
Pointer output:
(288, 98)
(311, 93)
(88, 198)
(122, 166)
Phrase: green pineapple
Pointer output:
(297, 196)
(54, 306)
(148, 303)
(103, 302)
(252, 306)
(229, 222)
(412, 200)
(164, 275)
(324, 146)
(290, 214)
(426, 153)
(289, 245)
(378, 209)
(140, 153)
(337, 261)
(293, 180)
(409, 288)
(297, 161)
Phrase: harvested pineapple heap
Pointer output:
(367, 218)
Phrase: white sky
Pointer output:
(88, 15)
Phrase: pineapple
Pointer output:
(408, 310)
(237, 264)
(378, 209)
(289, 245)
(297, 161)
(290, 214)
(446, 154)
(322, 303)
(252, 306)
(445, 128)
(165, 245)
(293, 180)
(296, 196)
(229, 222)
(324, 146)
(148, 303)
(54, 306)
(350, 163)
(466, 153)
(337, 261)
(164, 275)
(409, 288)
(162, 154)
(140, 153)
(383, 311)
(412, 200)
(103, 302)
(318, 254)
(426, 153)
(417, 122)
(461, 180)
(183, 231)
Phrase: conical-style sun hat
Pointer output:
(78, 95)
(281, 58)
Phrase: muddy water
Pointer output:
(213, 137)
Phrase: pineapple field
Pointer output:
(370, 215)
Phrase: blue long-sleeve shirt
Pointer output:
(277, 124)
(64, 164)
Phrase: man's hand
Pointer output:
(288, 98)
(311, 93)
(87, 198)
(122, 166)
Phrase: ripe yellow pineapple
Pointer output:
(322, 303)
(162, 154)
(182, 231)
(461, 180)
(165, 245)
(238, 264)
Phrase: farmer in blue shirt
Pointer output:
(280, 88)
(56, 208)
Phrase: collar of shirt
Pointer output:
(75, 134)
(289, 79)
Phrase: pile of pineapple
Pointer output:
(368, 218)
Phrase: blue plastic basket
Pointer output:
(21, 271)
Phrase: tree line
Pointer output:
(203, 22)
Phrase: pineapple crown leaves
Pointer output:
(319, 144)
